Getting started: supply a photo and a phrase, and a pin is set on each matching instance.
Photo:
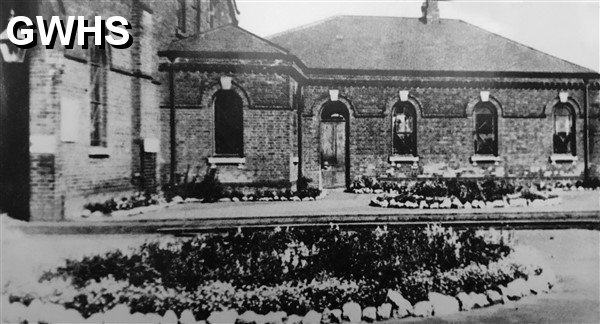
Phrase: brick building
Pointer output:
(388, 97)
(349, 96)
(83, 125)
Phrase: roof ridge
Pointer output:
(527, 46)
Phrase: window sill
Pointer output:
(213, 161)
(403, 159)
(485, 159)
(98, 152)
(563, 158)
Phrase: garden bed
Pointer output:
(208, 190)
(141, 203)
(309, 275)
(455, 193)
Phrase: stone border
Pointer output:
(396, 306)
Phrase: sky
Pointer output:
(568, 29)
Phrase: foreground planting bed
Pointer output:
(286, 275)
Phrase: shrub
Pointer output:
(292, 270)
(303, 183)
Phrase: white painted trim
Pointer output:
(151, 145)
(42, 144)
(403, 159)
(485, 96)
(554, 158)
(485, 158)
(403, 95)
(334, 94)
(563, 96)
(225, 82)
(216, 160)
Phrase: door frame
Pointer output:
(347, 138)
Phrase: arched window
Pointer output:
(564, 130)
(229, 124)
(404, 124)
(486, 129)
(98, 75)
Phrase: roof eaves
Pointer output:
(449, 73)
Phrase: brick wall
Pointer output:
(269, 126)
(65, 179)
(445, 131)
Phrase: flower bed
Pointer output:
(313, 273)
(367, 185)
(208, 190)
(455, 193)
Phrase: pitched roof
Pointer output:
(226, 39)
(398, 43)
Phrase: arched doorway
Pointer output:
(334, 139)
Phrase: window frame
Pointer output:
(408, 109)
(99, 66)
(240, 141)
(493, 114)
(571, 148)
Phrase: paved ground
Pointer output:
(578, 209)
(339, 203)
(574, 255)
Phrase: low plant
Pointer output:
(290, 270)
(138, 199)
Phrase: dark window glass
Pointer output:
(181, 15)
(404, 122)
(229, 124)
(334, 111)
(564, 130)
(98, 74)
(486, 120)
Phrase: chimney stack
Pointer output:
(431, 12)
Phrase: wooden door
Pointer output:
(333, 153)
